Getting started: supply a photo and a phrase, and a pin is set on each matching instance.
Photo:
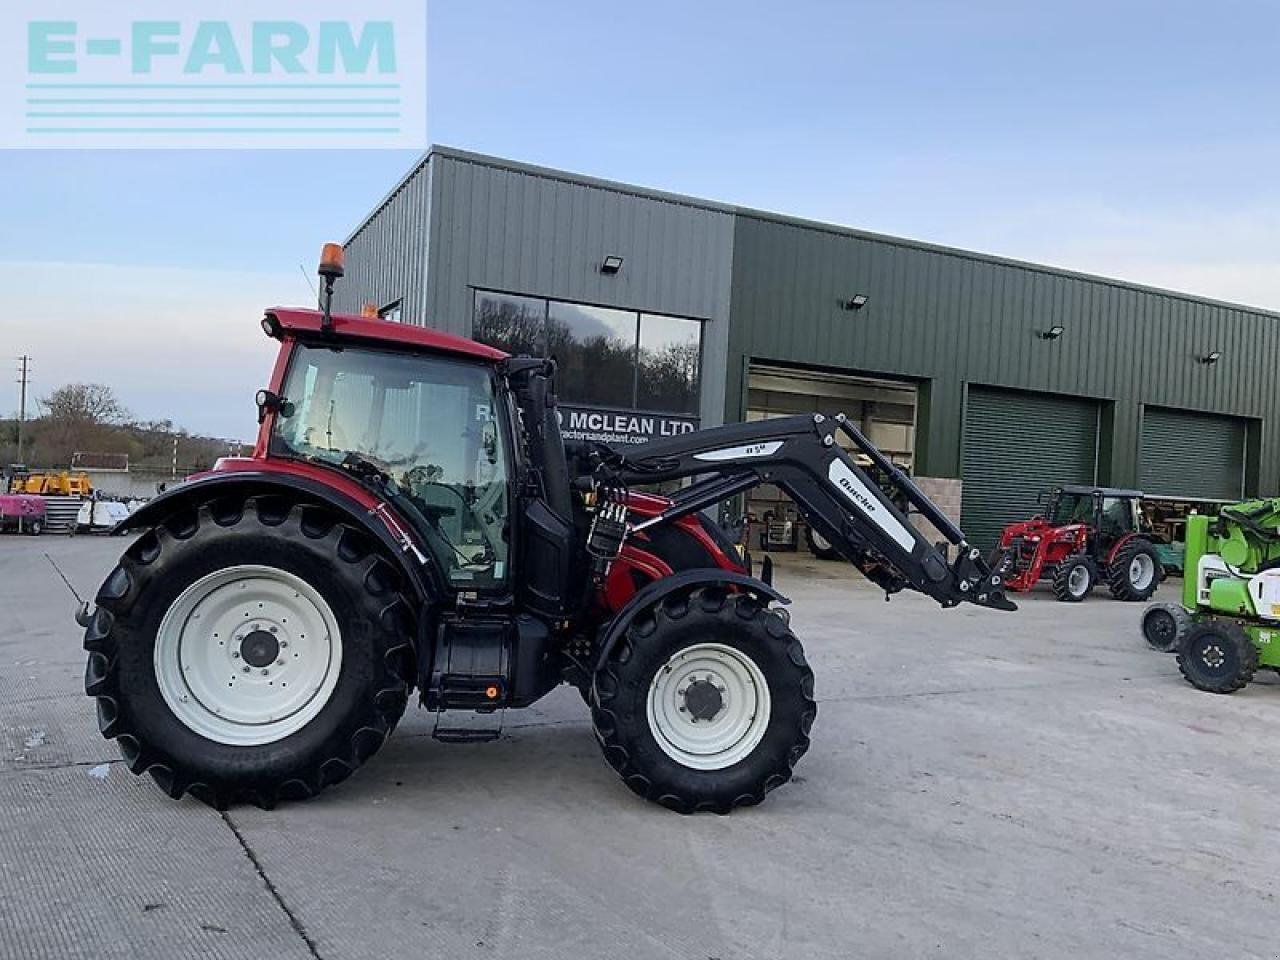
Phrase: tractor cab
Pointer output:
(1111, 512)
(1085, 534)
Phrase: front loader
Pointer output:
(1228, 624)
(411, 519)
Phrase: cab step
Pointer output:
(460, 727)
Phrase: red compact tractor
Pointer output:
(412, 520)
(1086, 535)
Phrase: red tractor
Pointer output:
(412, 519)
(1086, 535)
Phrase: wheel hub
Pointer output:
(703, 699)
(248, 655)
(1213, 656)
(260, 648)
(708, 706)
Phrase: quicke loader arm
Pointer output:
(839, 498)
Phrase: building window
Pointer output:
(669, 358)
(514, 324)
(605, 357)
(391, 311)
(595, 352)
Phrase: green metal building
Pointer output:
(991, 378)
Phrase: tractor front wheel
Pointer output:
(1165, 625)
(1134, 572)
(254, 650)
(1073, 578)
(706, 702)
(1218, 656)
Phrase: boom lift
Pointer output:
(411, 518)
(1228, 624)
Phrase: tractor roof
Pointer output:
(299, 320)
(1085, 489)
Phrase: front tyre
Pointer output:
(253, 650)
(1165, 626)
(1073, 578)
(706, 702)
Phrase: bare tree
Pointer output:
(84, 404)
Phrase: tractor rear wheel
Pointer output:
(255, 650)
(706, 702)
(1073, 578)
(1134, 572)
(1165, 625)
(1218, 656)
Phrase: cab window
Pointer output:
(424, 430)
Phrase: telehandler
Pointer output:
(1228, 624)
(411, 519)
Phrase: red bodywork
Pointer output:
(641, 560)
(1039, 546)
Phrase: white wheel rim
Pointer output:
(680, 723)
(1078, 580)
(1141, 570)
(212, 649)
(819, 541)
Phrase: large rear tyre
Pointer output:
(253, 650)
(1073, 578)
(1134, 572)
(706, 702)
(1165, 626)
(1218, 656)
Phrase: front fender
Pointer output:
(255, 483)
(660, 589)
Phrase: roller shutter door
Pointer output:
(1191, 454)
(1015, 446)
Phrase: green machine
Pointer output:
(1228, 624)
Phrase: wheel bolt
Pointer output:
(235, 654)
(280, 663)
(245, 668)
(283, 644)
(265, 672)
(275, 629)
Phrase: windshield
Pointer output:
(420, 428)
(1071, 508)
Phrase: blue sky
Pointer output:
(1138, 140)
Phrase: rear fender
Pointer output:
(257, 483)
(685, 581)
(1123, 541)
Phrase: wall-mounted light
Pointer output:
(611, 265)
(1212, 357)
(856, 302)
(1053, 333)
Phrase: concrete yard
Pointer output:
(1037, 784)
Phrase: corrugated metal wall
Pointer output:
(771, 289)
(950, 319)
(522, 230)
(387, 255)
